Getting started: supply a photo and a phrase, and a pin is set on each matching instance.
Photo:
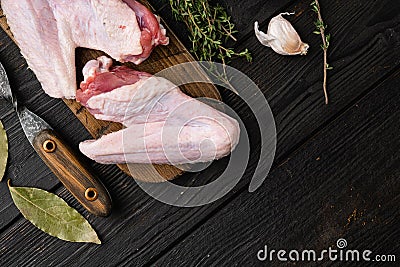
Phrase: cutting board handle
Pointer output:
(81, 182)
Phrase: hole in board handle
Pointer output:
(49, 146)
(91, 194)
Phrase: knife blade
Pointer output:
(59, 157)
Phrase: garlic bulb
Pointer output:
(281, 37)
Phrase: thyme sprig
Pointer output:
(209, 27)
(321, 30)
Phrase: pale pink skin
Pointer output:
(163, 125)
(49, 31)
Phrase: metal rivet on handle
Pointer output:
(49, 146)
(91, 194)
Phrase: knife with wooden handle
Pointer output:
(59, 157)
(64, 163)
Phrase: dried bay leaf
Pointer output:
(3, 150)
(52, 215)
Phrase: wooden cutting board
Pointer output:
(162, 57)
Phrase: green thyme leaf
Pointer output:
(209, 27)
(321, 28)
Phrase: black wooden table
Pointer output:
(335, 175)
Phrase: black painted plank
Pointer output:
(143, 224)
(364, 48)
(342, 184)
(244, 13)
(298, 103)
(37, 245)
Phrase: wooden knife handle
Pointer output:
(64, 163)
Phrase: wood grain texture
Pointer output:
(296, 197)
(364, 49)
(80, 181)
(316, 197)
(161, 58)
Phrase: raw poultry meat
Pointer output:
(48, 31)
(163, 125)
